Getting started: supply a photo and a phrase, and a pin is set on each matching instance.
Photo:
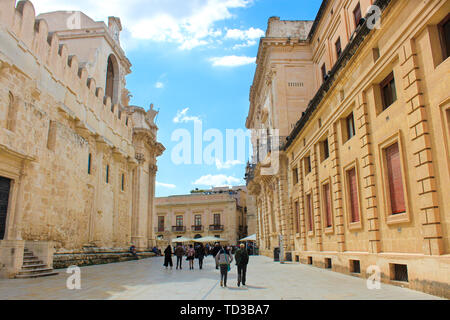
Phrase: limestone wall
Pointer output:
(70, 154)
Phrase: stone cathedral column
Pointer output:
(151, 205)
(144, 176)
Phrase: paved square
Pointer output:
(149, 280)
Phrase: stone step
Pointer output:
(34, 266)
(30, 258)
(33, 261)
(35, 271)
(36, 275)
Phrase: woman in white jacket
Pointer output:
(223, 259)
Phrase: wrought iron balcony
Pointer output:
(216, 227)
(178, 229)
(198, 228)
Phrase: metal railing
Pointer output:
(216, 227)
(178, 229)
(198, 228)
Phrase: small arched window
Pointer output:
(10, 113)
(89, 163)
(112, 80)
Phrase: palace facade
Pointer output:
(77, 162)
(351, 135)
(219, 212)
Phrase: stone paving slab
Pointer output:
(148, 280)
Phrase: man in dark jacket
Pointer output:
(179, 252)
(200, 255)
(242, 258)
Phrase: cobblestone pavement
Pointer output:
(147, 279)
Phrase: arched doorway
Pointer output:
(112, 79)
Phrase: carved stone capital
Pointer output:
(140, 157)
(153, 169)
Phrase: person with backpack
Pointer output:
(223, 260)
(242, 258)
(215, 251)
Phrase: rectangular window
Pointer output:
(395, 179)
(198, 220)
(328, 210)
(295, 176)
(350, 121)
(388, 91)
(324, 72)
(107, 173)
(217, 219)
(179, 221)
(338, 47)
(353, 194)
(297, 216)
(444, 33)
(326, 149)
(123, 182)
(357, 14)
(355, 266)
(308, 164)
(160, 224)
(309, 212)
(89, 163)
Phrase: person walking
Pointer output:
(191, 256)
(215, 251)
(223, 259)
(168, 257)
(200, 255)
(179, 252)
(241, 258)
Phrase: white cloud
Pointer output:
(219, 180)
(250, 34)
(165, 185)
(187, 23)
(159, 85)
(183, 117)
(228, 164)
(232, 61)
(249, 43)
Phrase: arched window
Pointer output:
(112, 79)
(10, 113)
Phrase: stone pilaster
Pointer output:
(368, 174)
(285, 205)
(138, 226)
(153, 169)
(316, 198)
(336, 187)
(301, 201)
(420, 142)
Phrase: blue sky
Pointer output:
(193, 59)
